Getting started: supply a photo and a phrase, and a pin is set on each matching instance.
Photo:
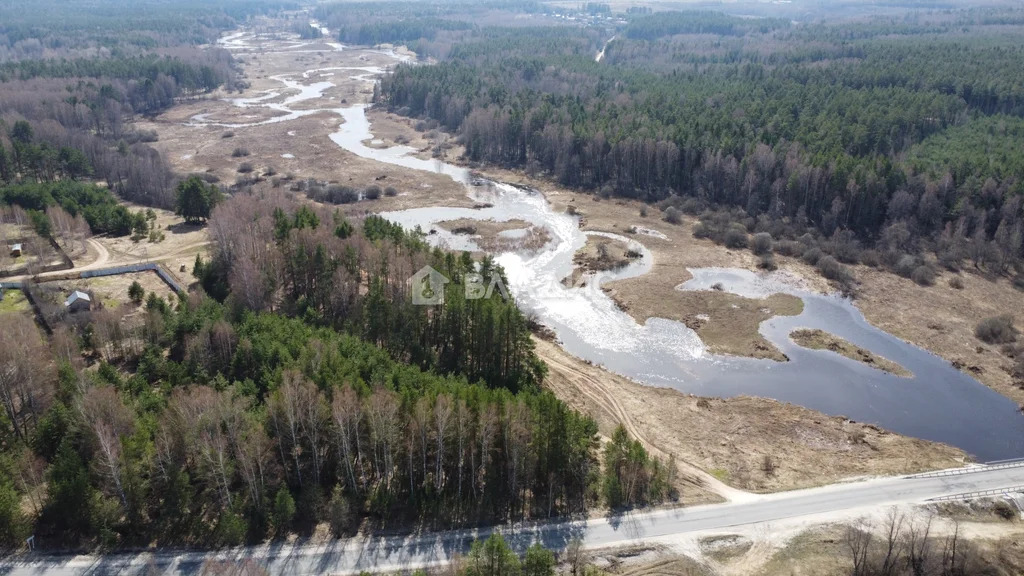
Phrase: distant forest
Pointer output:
(79, 77)
(896, 134)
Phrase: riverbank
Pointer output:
(938, 318)
(731, 439)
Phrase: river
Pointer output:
(937, 403)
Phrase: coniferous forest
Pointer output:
(898, 135)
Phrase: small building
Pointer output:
(16, 251)
(77, 302)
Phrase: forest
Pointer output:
(884, 132)
(101, 65)
(305, 389)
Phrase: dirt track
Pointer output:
(720, 445)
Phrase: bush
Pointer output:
(390, 191)
(643, 211)
(767, 262)
(949, 260)
(372, 192)
(735, 238)
(1004, 510)
(761, 243)
(673, 215)
(956, 282)
(691, 206)
(702, 230)
(239, 152)
(906, 265)
(871, 258)
(245, 168)
(996, 330)
(812, 255)
(1018, 281)
(830, 268)
(228, 134)
(788, 248)
(923, 275)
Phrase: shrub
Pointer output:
(996, 330)
(1018, 281)
(239, 152)
(812, 255)
(228, 134)
(643, 211)
(701, 230)
(767, 262)
(340, 194)
(871, 258)
(830, 268)
(691, 206)
(673, 215)
(788, 248)
(735, 238)
(246, 167)
(949, 260)
(372, 192)
(923, 275)
(906, 265)
(956, 282)
(761, 243)
(390, 191)
(1004, 510)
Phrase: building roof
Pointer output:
(76, 296)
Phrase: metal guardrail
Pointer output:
(978, 494)
(995, 465)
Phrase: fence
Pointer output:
(132, 268)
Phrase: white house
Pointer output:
(78, 301)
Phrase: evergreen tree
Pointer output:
(196, 199)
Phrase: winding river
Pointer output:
(937, 403)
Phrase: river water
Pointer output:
(937, 403)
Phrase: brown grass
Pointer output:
(486, 234)
(820, 340)
(600, 254)
(942, 319)
(729, 438)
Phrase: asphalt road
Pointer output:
(396, 553)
